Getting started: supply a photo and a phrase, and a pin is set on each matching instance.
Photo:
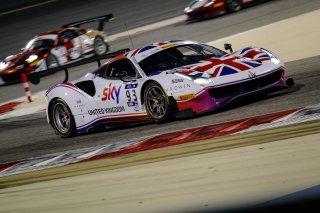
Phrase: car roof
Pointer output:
(141, 53)
(50, 32)
(57, 31)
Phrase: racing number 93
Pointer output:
(131, 95)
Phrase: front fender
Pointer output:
(177, 86)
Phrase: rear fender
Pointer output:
(78, 101)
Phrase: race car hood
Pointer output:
(13, 61)
(21, 57)
(218, 67)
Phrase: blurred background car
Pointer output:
(209, 8)
(56, 47)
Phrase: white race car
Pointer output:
(160, 81)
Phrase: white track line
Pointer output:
(27, 7)
(148, 27)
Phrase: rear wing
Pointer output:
(100, 19)
(34, 77)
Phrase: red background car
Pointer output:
(211, 8)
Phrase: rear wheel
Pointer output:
(157, 103)
(100, 47)
(234, 5)
(62, 119)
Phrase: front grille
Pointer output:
(247, 86)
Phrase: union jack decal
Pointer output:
(222, 66)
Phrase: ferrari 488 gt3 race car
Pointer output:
(56, 47)
(211, 8)
(173, 78)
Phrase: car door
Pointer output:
(119, 96)
(70, 42)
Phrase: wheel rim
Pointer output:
(61, 118)
(52, 62)
(156, 102)
(100, 47)
(234, 5)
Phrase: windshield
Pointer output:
(40, 43)
(178, 56)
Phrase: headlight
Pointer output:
(31, 58)
(202, 80)
(272, 56)
(197, 80)
(3, 65)
(184, 76)
(275, 60)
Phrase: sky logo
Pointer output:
(111, 92)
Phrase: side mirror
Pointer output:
(228, 47)
(34, 78)
(121, 75)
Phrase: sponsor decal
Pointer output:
(96, 111)
(136, 108)
(102, 111)
(187, 96)
(132, 98)
(175, 81)
(132, 103)
(168, 46)
(252, 75)
(178, 87)
(131, 86)
(111, 92)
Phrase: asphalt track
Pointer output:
(30, 136)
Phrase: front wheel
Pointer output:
(234, 5)
(62, 119)
(157, 103)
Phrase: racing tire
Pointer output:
(157, 103)
(99, 46)
(234, 5)
(62, 119)
(52, 61)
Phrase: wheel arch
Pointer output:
(98, 36)
(49, 108)
(144, 86)
(50, 104)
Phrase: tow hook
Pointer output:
(290, 82)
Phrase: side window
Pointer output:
(122, 65)
(79, 32)
(66, 36)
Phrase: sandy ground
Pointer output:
(290, 39)
(235, 176)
